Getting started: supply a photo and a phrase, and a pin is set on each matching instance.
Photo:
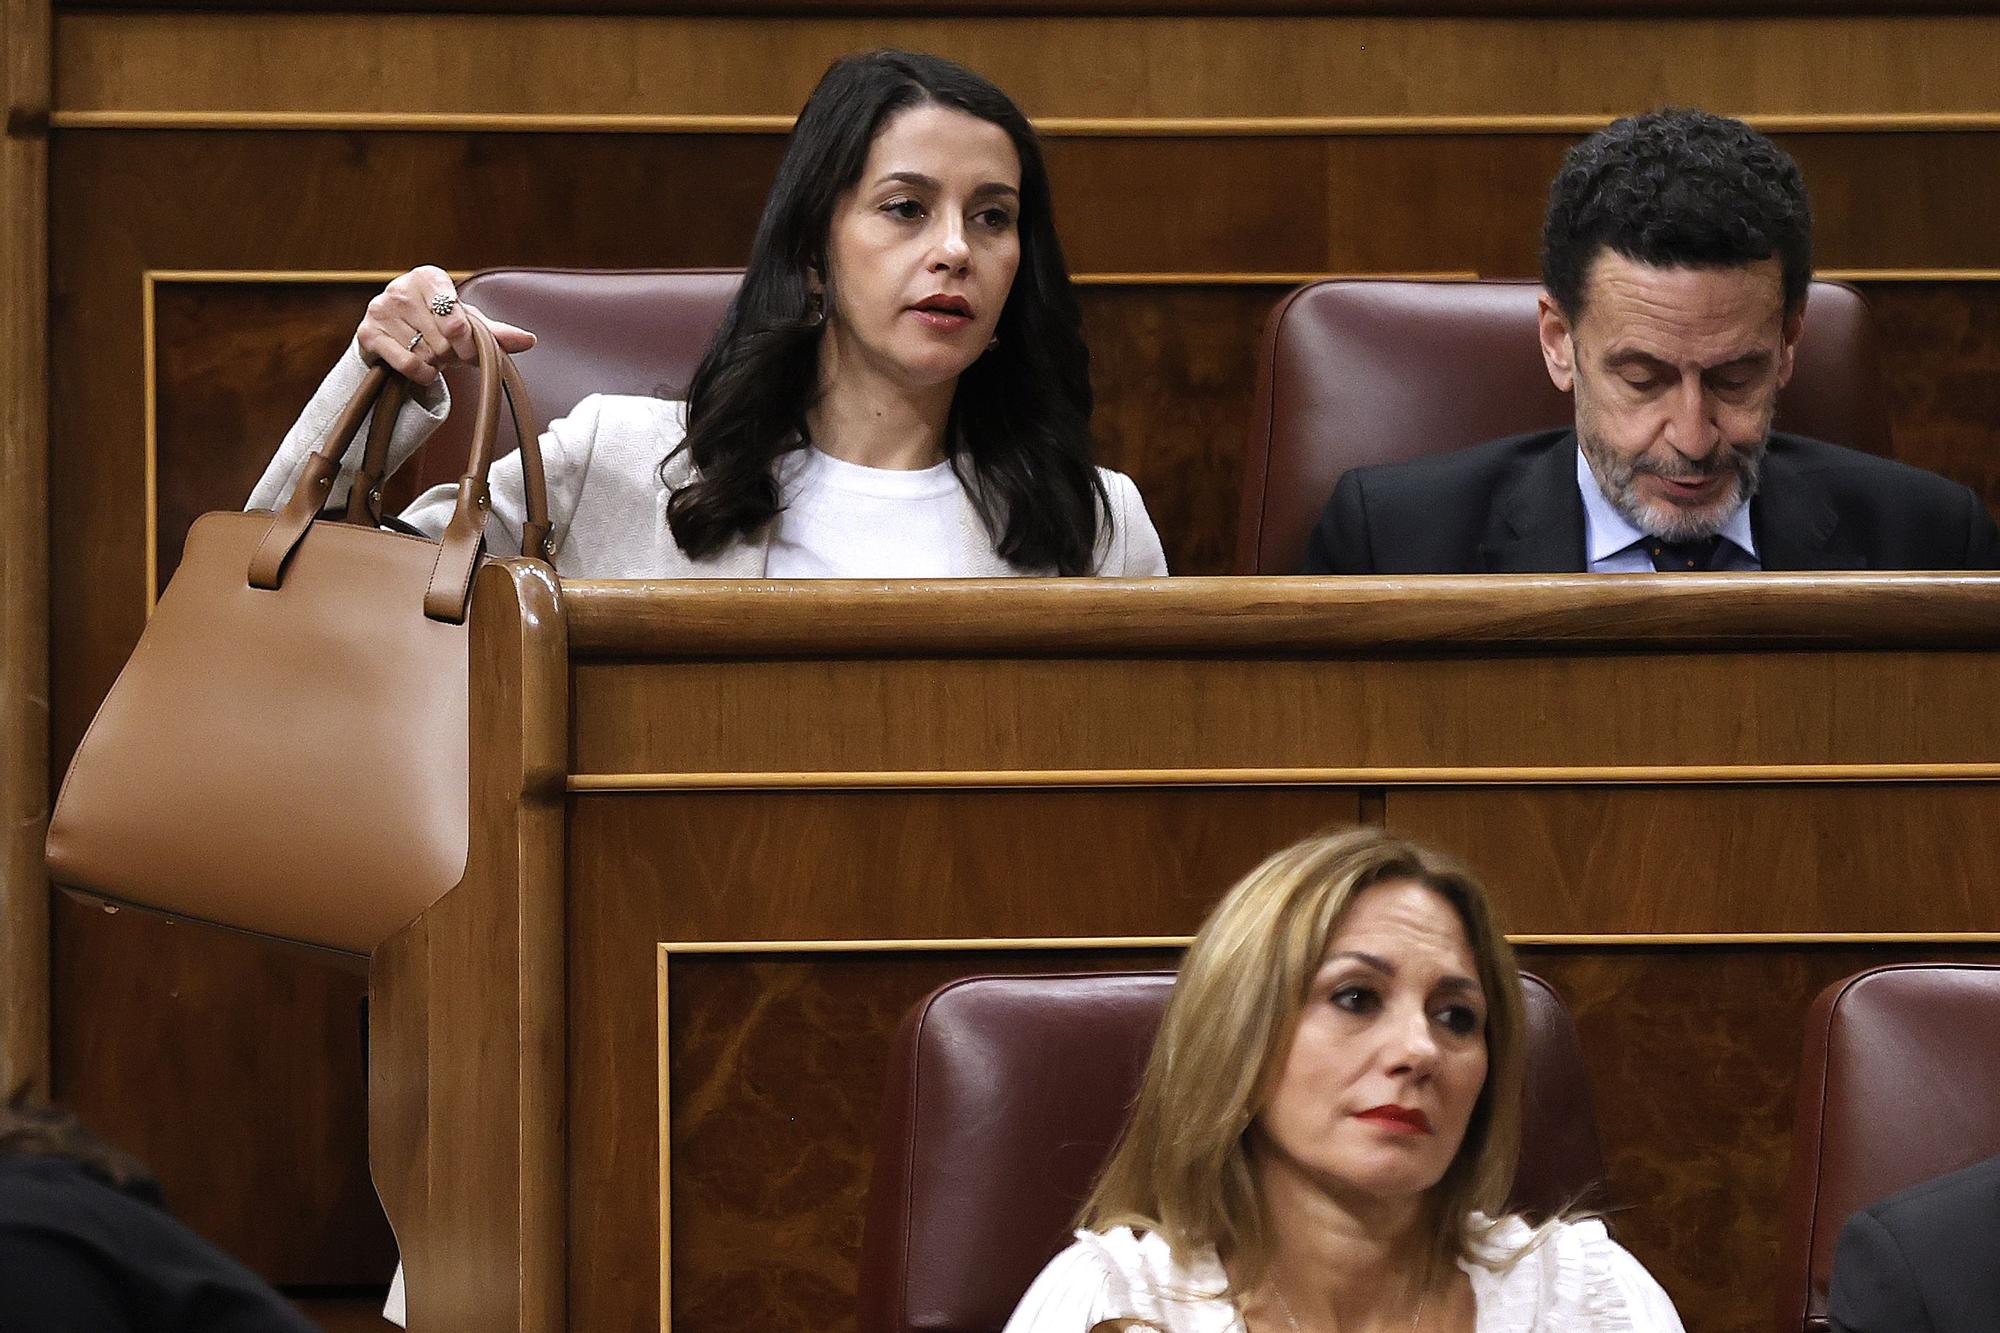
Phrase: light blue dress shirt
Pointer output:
(1613, 546)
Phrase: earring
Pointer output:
(815, 310)
(993, 342)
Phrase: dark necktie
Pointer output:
(1680, 557)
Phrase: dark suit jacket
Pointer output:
(1923, 1261)
(1511, 506)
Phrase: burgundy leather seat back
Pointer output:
(1900, 1084)
(636, 331)
(1005, 1095)
(1355, 372)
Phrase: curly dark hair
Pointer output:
(1020, 422)
(1676, 188)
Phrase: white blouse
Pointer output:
(1577, 1280)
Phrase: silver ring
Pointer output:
(414, 341)
(444, 303)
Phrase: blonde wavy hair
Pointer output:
(1182, 1169)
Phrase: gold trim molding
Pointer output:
(1053, 127)
(1027, 779)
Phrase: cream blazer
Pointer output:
(608, 501)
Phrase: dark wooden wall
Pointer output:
(226, 188)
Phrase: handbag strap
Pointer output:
(450, 586)
(364, 501)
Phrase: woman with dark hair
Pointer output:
(899, 389)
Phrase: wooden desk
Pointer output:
(1696, 800)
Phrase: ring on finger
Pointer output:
(444, 303)
(414, 340)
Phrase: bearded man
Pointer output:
(1676, 260)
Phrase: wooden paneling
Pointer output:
(233, 364)
(1724, 860)
(24, 531)
(644, 869)
(1493, 713)
(1693, 1058)
(477, 983)
(1456, 614)
(233, 1068)
(1082, 68)
(346, 1314)
(1941, 358)
(775, 1152)
(1173, 370)
(1040, 8)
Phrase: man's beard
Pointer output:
(1616, 477)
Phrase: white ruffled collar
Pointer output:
(1564, 1282)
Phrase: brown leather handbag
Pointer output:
(285, 752)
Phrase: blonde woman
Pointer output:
(1328, 1127)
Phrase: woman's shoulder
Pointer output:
(1129, 545)
(1122, 1273)
(1118, 486)
(628, 414)
(1564, 1277)
(612, 429)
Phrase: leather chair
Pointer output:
(1900, 1084)
(638, 331)
(1359, 372)
(1005, 1095)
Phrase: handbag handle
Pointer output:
(364, 498)
(450, 587)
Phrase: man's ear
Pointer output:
(1788, 346)
(1558, 347)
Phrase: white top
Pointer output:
(844, 521)
(1578, 1280)
(1616, 545)
(608, 499)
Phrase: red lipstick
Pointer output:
(942, 310)
(1397, 1119)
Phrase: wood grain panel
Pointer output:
(758, 1151)
(1056, 67)
(1041, 8)
(664, 620)
(1693, 1058)
(1941, 342)
(234, 363)
(1174, 369)
(24, 535)
(1030, 864)
(765, 716)
(1776, 859)
(766, 1147)
(467, 1006)
(233, 1068)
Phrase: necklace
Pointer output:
(1293, 1319)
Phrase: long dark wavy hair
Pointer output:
(1019, 431)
